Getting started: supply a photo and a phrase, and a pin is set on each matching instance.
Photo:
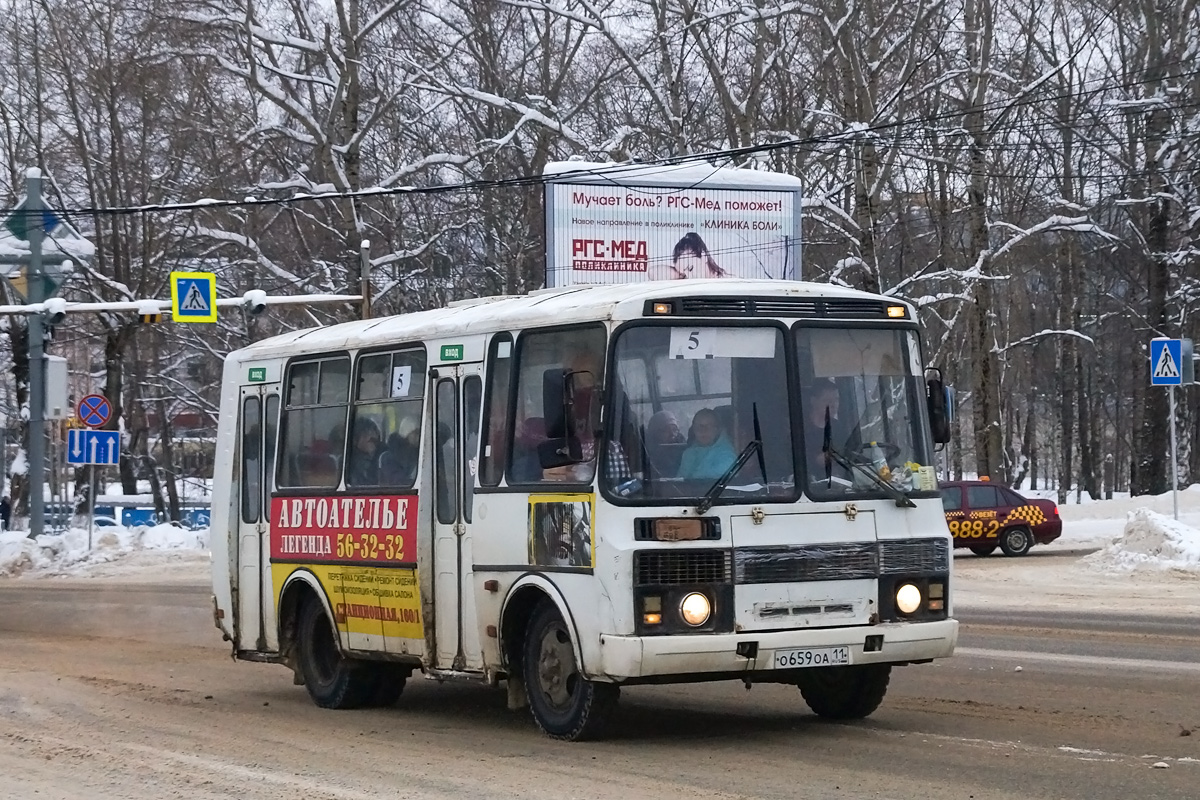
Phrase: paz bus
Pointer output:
(586, 488)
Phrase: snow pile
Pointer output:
(68, 553)
(1150, 541)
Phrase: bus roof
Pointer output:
(540, 308)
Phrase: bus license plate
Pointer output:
(812, 657)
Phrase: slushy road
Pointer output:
(126, 691)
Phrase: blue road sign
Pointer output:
(194, 296)
(93, 447)
(94, 410)
(1166, 362)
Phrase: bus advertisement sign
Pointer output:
(343, 541)
(662, 223)
(377, 530)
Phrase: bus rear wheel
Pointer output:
(565, 705)
(983, 549)
(389, 685)
(845, 692)
(332, 680)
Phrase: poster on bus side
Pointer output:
(642, 223)
(363, 550)
(560, 530)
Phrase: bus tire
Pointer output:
(389, 685)
(332, 680)
(565, 705)
(983, 549)
(845, 692)
(1016, 541)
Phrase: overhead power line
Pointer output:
(923, 131)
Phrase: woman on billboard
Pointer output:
(689, 259)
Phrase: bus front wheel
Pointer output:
(845, 692)
(565, 705)
(332, 680)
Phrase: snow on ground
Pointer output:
(1125, 555)
(1150, 541)
(158, 553)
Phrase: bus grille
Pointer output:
(837, 562)
(819, 562)
(907, 556)
(675, 567)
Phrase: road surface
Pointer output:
(125, 691)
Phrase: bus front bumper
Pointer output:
(646, 656)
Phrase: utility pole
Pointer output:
(37, 368)
(28, 226)
(364, 274)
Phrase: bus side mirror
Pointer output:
(939, 409)
(562, 446)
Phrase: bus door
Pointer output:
(259, 412)
(457, 400)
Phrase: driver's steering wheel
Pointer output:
(890, 451)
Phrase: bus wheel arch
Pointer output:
(517, 614)
(301, 587)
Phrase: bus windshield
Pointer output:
(862, 399)
(688, 400)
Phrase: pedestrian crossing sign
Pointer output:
(194, 296)
(1166, 362)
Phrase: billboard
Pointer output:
(608, 224)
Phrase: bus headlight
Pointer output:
(695, 609)
(908, 598)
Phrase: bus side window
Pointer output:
(271, 428)
(386, 419)
(494, 453)
(314, 423)
(580, 352)
(472, 389)
(445, 443)
(251, 459)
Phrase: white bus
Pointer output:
(586, 488)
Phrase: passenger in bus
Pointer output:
(363, 469)
(711, 453)
(316, 466)
(399, 459)
(665, 444)
(525, 467)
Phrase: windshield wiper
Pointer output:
(832, 454)
(714, 492)
(902, 500)
(762, 459)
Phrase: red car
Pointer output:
(983, 516)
